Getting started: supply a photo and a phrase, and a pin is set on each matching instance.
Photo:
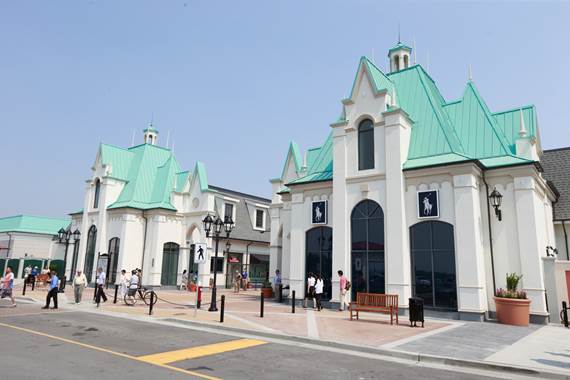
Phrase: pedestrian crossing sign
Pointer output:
(200, 253)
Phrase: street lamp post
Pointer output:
(64, 236)
(215, 227)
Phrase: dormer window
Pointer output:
(229, 211)
(397, 62)
(97, 191)
(259, 219)
(366, 145)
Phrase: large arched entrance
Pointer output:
(114, 244)
(433, 264)
(90, 252)
(367, 260)
(318, 256)
(170, 254)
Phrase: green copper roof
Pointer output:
(200, 171)
(33, 224)
(399, 46)
(442, 132)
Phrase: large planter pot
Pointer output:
(267, 292)
(511, 311)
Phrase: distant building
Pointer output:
(142, 210)
(398, 197)
(31, 240)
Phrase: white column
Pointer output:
(397, 250)
(101, 245)
(297, 243)
(286, 244)
(469, 252)
(274, 243)
(85, 224)
(340, 225)
(529, 216)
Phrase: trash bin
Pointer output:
(416, 305)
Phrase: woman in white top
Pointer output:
(123, 284)
(319, 285)
(310, 293)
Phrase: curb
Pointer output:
(411, 356)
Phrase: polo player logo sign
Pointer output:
(319, 212)
(428, 204)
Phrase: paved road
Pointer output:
(75, 345)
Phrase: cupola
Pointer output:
(150, 135)
(399, 57)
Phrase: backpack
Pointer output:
(348, 285)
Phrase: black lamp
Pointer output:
(208, 224)
(496, 198)
(61, 235)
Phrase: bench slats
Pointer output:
(375, 302)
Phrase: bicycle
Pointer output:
(144, 294)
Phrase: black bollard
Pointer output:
(280, 293)
(152, 295)
(564, 314)
(24, 289)
(34, 283)
(222, 307)
(199, 297)
(262, 301)
(293, 303)
(116, 290)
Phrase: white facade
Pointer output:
(518, 240)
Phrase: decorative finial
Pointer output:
(167, 138)
(469, 74)
(522, 130)
(133, 138)
(399, 39)
(414, 51)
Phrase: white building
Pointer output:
(31, 240)
(405, 208)
(142, 210)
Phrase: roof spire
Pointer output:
(399, 39)
(414, 51)
(522, 130)
(133, 138)
(469, 74)
(167, 138)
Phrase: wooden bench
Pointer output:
(375, 303)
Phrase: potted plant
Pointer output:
(266, 289)
(512, 305)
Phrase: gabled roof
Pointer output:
(442, 132)
(294, 154)
(33, 224)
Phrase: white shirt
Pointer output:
(101, 278)
(319, 287)
(311, 281)
(134, 283)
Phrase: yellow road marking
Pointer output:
(196, 352)
(196, 374)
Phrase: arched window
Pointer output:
(97, 190)
(397, 62)
(433, 264)
(114, 244)
(90, 252)
(406, 62)
(169, 275)
(366, 145)
(318, 256)
(367, 227)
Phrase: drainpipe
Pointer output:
(490, 234)
(144, 240)
(565, 240)
(10, 246)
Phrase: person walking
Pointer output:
(8, 286)
(310, 293)
(237, 282)
(79, 284)
(123, 284)
(184, 283)
(319, 286)
(133, 284)
(277, 280)
(52, 291)
(244, 279)
(27, 273)
(344, 288)
(33, 275)
(101, 277)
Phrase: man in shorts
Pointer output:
(8, 286)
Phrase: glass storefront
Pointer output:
(367, 231)
(433, 264)
(318, 257)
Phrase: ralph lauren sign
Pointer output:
(428, 204)
(319, 212)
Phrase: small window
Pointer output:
(366, 145)
(219, 264)
(406, 62)
(259, 219)
(397, 63)
(97, 190)
(228, 211)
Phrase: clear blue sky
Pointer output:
(235, 81)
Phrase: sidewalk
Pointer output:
(542, 347)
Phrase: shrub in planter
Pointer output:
(512, 305)
(267, 290)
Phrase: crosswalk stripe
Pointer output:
(200, 351)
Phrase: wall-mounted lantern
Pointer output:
(496, 198)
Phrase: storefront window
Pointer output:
(318, 256)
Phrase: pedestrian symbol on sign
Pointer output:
(201, 253)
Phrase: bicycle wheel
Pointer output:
(146, 298)
(130, 300)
